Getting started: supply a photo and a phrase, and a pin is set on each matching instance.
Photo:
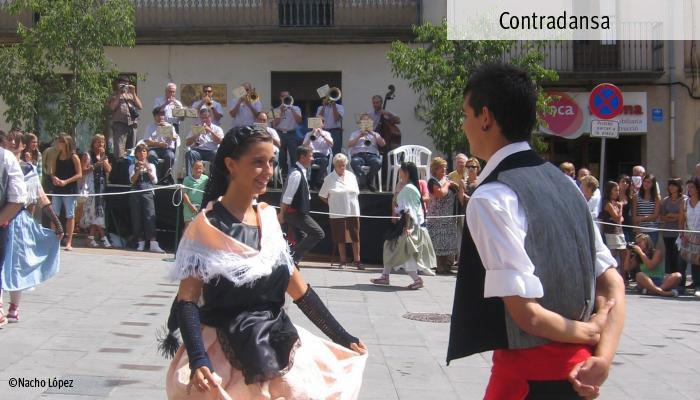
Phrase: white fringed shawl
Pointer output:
(206, 253)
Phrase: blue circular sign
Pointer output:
(606, 101)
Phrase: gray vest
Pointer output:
(560, 242)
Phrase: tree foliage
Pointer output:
(438, 70)
(57, 75)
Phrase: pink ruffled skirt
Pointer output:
(321, 370)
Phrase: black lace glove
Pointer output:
(191, 332)
(312, 306)
(48, 210)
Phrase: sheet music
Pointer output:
(314, 123)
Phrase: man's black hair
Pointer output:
(509, 93)
(303, 151)
(158, 110)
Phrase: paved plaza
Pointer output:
(96, 322)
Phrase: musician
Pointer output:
(333, 113)
(168, 102)
(243, 110)
(364, 151)
(203, 146)
(124, 105)
(207, 100)
(286, 117)
(263, 119)
(376, 113)
(321, 142)
(161, 147)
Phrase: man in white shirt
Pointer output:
(286, 118)
(207, 100)
(508, 274)
(295, 206)
(203, 146)
(160, 146)
(168, 102)
(333, 113)
(364, 151)
(321, 143)
(243, 111)
(262, 119)
(595, 199)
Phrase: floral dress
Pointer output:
(443, 231)
(94, 182)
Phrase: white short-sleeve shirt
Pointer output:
(245, 117)
(342, 194)
(327, 112)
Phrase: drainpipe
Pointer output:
(672, 116)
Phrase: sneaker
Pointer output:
(644, 291)
(92, 242)
(155, 248)
(141, 246)
(697, 293)
(674, 293)
(105, 242)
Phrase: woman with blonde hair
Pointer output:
(31, 153)
(445, 195)
(340, 190)
(96, 168)
(65, 177)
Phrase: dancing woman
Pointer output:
(234, 268)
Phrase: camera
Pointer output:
(312, 137)
(631, 245)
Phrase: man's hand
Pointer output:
(280, 218)
(587, 377)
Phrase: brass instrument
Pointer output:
(334, 95)
(252, 96)
(207, 101)
(288, 101)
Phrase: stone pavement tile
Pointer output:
(422, 394)
(470, 391)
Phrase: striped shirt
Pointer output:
(644, 209)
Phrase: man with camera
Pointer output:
(124, 105)
(207, 100)
(204, 140)
(320, 142)
(286, 117)
(364, 146)
(245, 108)
(333, 113)
(168, 102)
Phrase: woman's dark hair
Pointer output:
(412, 171)
(651, 248)
(653, 195)
(695, 182)
(26, 139)
(235, 144)
(509, 93)
(678, 183)
(628, 180)
(607, 190)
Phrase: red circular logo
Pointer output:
(564, 117)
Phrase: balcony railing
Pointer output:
(615, 57)
(211, 21)
(276, 20)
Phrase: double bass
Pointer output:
(387, 128)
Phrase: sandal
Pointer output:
(417, 284)
(13, 314)
(3, 320)
(382, 280)
(359, 266)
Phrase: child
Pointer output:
(192, 196)
(143, 212)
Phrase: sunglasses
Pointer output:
(472, 167)
(208, 91)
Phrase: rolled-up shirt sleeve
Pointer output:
(16, 187)
(603, 257)
(497, 225)
(292, 186)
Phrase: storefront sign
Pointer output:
(657, 114)
(569, 115)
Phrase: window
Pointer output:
(305, 13)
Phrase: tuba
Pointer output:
(334, 95)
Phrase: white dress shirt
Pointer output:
(329, 115)
(594, 204)
(341, 194)
(16, 190)
(244, 117)
(293, 181)
(206, 141)
(159, 101)
(275, 136)
(498, 226)
(360, 147)
(151, 170)
(287, 121)
(214, 104)
(320, 145)
(152, 135)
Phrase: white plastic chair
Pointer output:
(418, 155)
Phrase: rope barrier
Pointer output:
(179, 188)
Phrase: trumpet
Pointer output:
(252, 96)
(208, 101)
(288, 101)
